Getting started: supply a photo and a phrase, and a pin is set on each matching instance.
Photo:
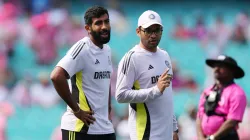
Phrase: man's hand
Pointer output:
(164, 81)
(175, 136)
(85, 116)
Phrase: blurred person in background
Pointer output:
(215, 44)
(219, 36)
(20, 93)
(199, 31)
(187, 124)
(44, 39)
(180, 30)
(221, 105)
(43, 93)
(182, 81)
(240, 30)
(8, 27)
(119, 21)
(4, 91)
(6, 110)
(9, 32)
(88, 64)
(139, 83)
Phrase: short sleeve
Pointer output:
(201, 109)
(237, 105)
(73, 61)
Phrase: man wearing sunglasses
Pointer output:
(144, 80)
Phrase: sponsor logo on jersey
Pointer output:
(102, 75)
(154, 79)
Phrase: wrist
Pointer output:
(211, 137)
(76, 111)
(157, 90)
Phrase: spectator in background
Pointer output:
(222, 105)
(6, 110)
(199, 32)
(241, 28)
(117, 17)
(182, 82)
(77, 30)
(8, 27)
(187, 123)
(180, 30)
(219, 35)
(4, 92)
(43, 93)
(43, 41)
(21, 92)
(8, 34)
(215, 44)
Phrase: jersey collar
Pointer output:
(140, 49)
(95, 49)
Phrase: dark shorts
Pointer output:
(71, 135)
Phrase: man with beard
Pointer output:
(88, 65)
(144, 80)
(222, 105)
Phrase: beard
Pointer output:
(97, 36)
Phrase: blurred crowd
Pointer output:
(218, 34)
(47, 26)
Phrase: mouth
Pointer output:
(153, 42)
(104, 34)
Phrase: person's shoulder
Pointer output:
(84, 42)
(129, 56)
(79, 47)
(161, 50)
(238, 89)
(107, 47)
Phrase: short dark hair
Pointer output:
(94, 12)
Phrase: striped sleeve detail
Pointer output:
(126, 62)
(77, 49)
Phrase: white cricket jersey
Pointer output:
(90, 69)
(150, 112)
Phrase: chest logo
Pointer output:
(150, 67)
(167, 64)
(97, 61)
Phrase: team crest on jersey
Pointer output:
(167, 64)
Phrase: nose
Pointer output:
(105, 25)
(153, 35)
